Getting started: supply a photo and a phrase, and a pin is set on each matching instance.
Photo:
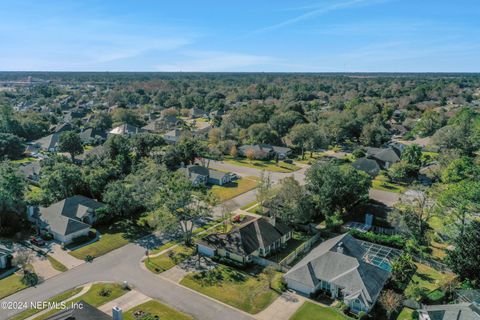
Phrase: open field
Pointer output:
(234, 188)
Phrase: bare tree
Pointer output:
(270, 273)
(390, 301)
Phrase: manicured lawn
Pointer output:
(93, 296)
(426, 280)
(268, 165)
(10, 285)
(34, 194)
(236, 288)
(234, 188)
(312, 311)
(155, 308)
(24, 160)
(381, 183)
(249, 205)
(169, 259)
(57, 265)
(436, 223)
(113, 237)
(58, 298)
(407, 314)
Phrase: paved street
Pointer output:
(124, 265)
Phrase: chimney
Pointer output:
(340, 247)
(117, 313)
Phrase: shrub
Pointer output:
(89, 258)
(29, 278)
(362, 315)
(395, 241)
(92, 234)
(105, 292)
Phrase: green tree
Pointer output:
(291, 202)
(374, 134)
(304, 136)
(12, 189)
(459, 202)
(262, 133)
(120, 200)
(413, 155)
(143, 143)
(11, 146)
(461, 169)
(179, 205)
(70, 142)
(336, 188)
(464, 259)
(61, 180)
(402, 171)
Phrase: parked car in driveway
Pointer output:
(37, 241)
(233, 176)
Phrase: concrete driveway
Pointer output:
(282, 308)
(56, 251)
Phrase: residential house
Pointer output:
(84, 311)
(370, 166)
(173, 136)
(264, 151)
(197, 113)
(460, 311)
(31, 171)
(68, 219)
(203, 175)
(98, 151)
(48, 143)
(164, 123)
(126, 129)
(93, 136)
(6, 257)
(256, 238)
(377, 159)
(63, 127)
(338, 268)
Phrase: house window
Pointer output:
(325, 285)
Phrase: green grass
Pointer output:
(93, 297)
(425, 281)
(58, 298)
(268, 165)
(312, 311)
(436, 223)
(249, 205)
(407, 314)
(34, 194)
(234, 188)
(236, 288)
(10, 285)
(155, 308)
(57, 265)
(169, 259)
(297, 239)
(113, 237)
(381, 183)
(24, 160)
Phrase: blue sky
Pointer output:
(203, 35)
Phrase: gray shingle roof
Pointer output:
(86, 312)
(345, 269)
(248, 238)
(367, 165)
(48, 142)
(65, 217)
(462, 311)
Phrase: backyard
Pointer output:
(312, 311)
(155, 308)
(250, 293)
(234, 188)
(407, 314)
(268, 165)
(425, 282)
(381, 182)
(297, 239)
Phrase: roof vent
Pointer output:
(340, 247)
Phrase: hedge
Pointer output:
(395, 241)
